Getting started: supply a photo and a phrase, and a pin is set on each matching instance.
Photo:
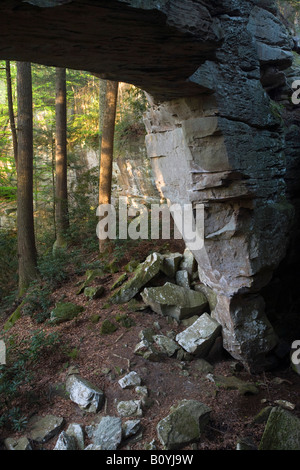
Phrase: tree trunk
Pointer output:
(102, 99)
(107, 146)
(61, 187)
(11, 112)
(25, 222)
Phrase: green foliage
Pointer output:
(82, 210)
(293, 3)
(8, 260)
(130, 122)
(53, 269)
(8, 192)
(38, 303)
(22, 357)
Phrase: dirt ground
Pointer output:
(104, 359)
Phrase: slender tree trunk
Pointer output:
(25, 221)
(102, 99)
(11, 112)
(61, 187)
(107, 147)
(53, 179)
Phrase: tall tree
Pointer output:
(102, 99)
(61, 186)
(25, 220)
(11, 111)
(107, 148)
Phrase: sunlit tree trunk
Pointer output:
(61, 186)
(107, 147)
(102, 99)
(11, 112)
(25, 221)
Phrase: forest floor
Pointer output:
(104, 359)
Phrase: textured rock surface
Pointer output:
(174, 301)
(213, 115)
(65, 442)
(42, 429)
(17, 444)
(198, 338)
(144, 273)
(108, 433)
(184, 424)
(130, 408)
(282, 431)
(65, 311)
(83, 393)
(130, 380)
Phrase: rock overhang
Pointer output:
(155, 45)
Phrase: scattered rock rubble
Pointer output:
(185, 423)
(187, 419)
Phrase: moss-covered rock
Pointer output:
(143, 274)
(65, 311)
(263, 415)
(174, 301)
(184, 424)
(90, 276)
(94, 292)
(131, 266)
(125, 320)
(136, 306)
(234, 383)
(108, 327)
(112, 267)
(95, 318)
(282, 431)
(14, 317)
(121, 279)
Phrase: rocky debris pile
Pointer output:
(148, 271)
(187, 419)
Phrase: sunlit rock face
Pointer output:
(229, 147)
(214, 136)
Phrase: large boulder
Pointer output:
(42, 429)
(184, 424)
(282, 431)
(65, 311)
(108, 433)
(174, 301)
(144, 273)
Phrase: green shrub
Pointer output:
(21, 357)
(8, 261)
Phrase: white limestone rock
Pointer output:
(130, 380)
(198, 338)
(86, 395)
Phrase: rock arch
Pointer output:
(214, 135)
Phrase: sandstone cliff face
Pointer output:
(213, 72)
(231, 149)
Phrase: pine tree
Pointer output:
(107, 147)
(61, 187)
(25, 221)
